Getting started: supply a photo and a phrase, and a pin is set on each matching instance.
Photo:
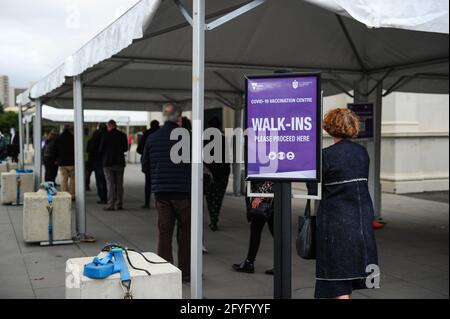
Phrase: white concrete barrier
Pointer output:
(164, 282)
(3, 169)
(9, 182)
(36, 217)
(6, 167)
(12, 166)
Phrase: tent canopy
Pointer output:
(144, 58)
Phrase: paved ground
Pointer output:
(413, 249)
(434, 196)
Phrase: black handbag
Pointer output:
(306, 238)
(262, 212)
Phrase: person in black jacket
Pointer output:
(65, 158)
(216, 183)
(49, 156)
(95, 158)
(113, 146)
(171, 184)
(13, 148)
(154, 126)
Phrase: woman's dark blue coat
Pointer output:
(345, 237)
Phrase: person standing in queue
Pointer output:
(171, 184)
(256, 227)
(113, 147)
(154, 126)
(215, 184)
(49, 158)
(96, 160)
(65, 159)
(345, 242)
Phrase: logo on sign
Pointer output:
(254, 86)
(295, 84)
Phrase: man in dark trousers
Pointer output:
(113, 146)
(97, 163)
(154, 126)
(171, 184)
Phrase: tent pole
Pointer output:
(27, 134)
(80, 203)
(198, 94)
(374, 146)
(37, 142)
(20, 126)
(237, 164)
(377, 98)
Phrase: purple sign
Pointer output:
(283, 119)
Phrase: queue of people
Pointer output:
(345, 241)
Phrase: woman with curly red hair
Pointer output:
(346, 251)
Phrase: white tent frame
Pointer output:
(362, 92)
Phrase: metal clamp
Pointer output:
(126, 286)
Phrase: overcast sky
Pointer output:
(37, 35)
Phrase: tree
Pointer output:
(8, 120)
(2, 109)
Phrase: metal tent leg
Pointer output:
(237, 166)
(373, 147)
(80, 202)
(21, 148)
(198, 91)
(37, 142)
(375, 168)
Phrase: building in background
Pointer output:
(13, 93)
(4, 91)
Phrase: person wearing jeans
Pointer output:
(113, 147)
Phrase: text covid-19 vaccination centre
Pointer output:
(198, 52)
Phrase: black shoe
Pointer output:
(213, 227)
(102, 202)
(245, 266)
(120, 208)
(145, 206)
(269, 272)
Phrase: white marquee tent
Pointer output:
(197, 55)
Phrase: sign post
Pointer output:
(283, 145)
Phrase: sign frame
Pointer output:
(364, 138)
(318, 123)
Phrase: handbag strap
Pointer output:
(308, 208)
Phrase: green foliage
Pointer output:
(8, 120)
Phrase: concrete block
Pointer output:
(9, 186)
(3, 169)
(164, 282)
(12, 166)
(36, 218)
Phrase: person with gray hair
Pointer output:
(171, 184)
